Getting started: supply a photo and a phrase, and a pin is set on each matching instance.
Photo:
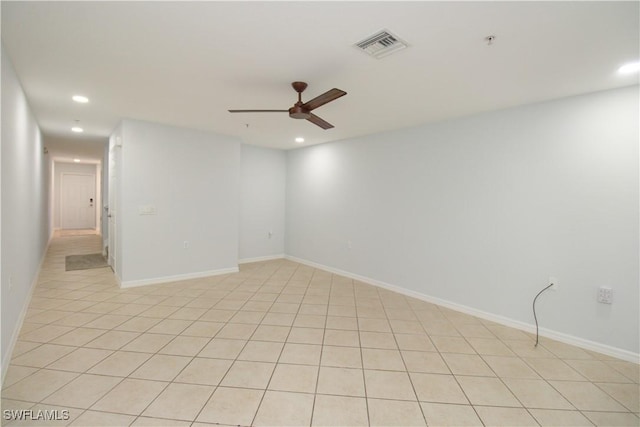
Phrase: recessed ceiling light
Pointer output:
(81, 99)
(632, 67)
(76, 160)
(299, 140)
(77, 129)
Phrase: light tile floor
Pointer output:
(284, 344)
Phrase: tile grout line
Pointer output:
(281, 350)
(168, 383)
(202, 349)
(496, 376)
(324, 332)
(364, 379)
(449, 368)
(406, 369)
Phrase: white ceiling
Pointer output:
(187, 63)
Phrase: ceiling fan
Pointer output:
(302, 110)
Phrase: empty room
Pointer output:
(320, 213)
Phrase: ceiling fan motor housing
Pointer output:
(297, 112)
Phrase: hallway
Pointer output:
(282, 343)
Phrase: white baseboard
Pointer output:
(261, 258)
(178, 277)
(16, 330)
(544, 332)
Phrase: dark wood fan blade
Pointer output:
(320, 122)
(258, 111)
(319, 101)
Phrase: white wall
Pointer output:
(24, 218)
(65, 167)
(480, 211)
(192, 179)
(262, 202)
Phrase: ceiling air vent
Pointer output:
(381, 44)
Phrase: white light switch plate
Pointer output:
(147, 210)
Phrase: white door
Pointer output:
(78, 201)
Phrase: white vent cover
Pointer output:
(381, 44)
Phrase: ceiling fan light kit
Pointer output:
(302, 110)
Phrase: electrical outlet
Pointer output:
(349, 245)
(605, 295)
(10, 282)
(554, 281)
(185, 244)
(270, 233)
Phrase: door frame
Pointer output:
(113, 167)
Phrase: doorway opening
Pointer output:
(76, 198)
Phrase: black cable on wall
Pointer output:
(534, 311)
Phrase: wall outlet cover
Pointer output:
(605, 295)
